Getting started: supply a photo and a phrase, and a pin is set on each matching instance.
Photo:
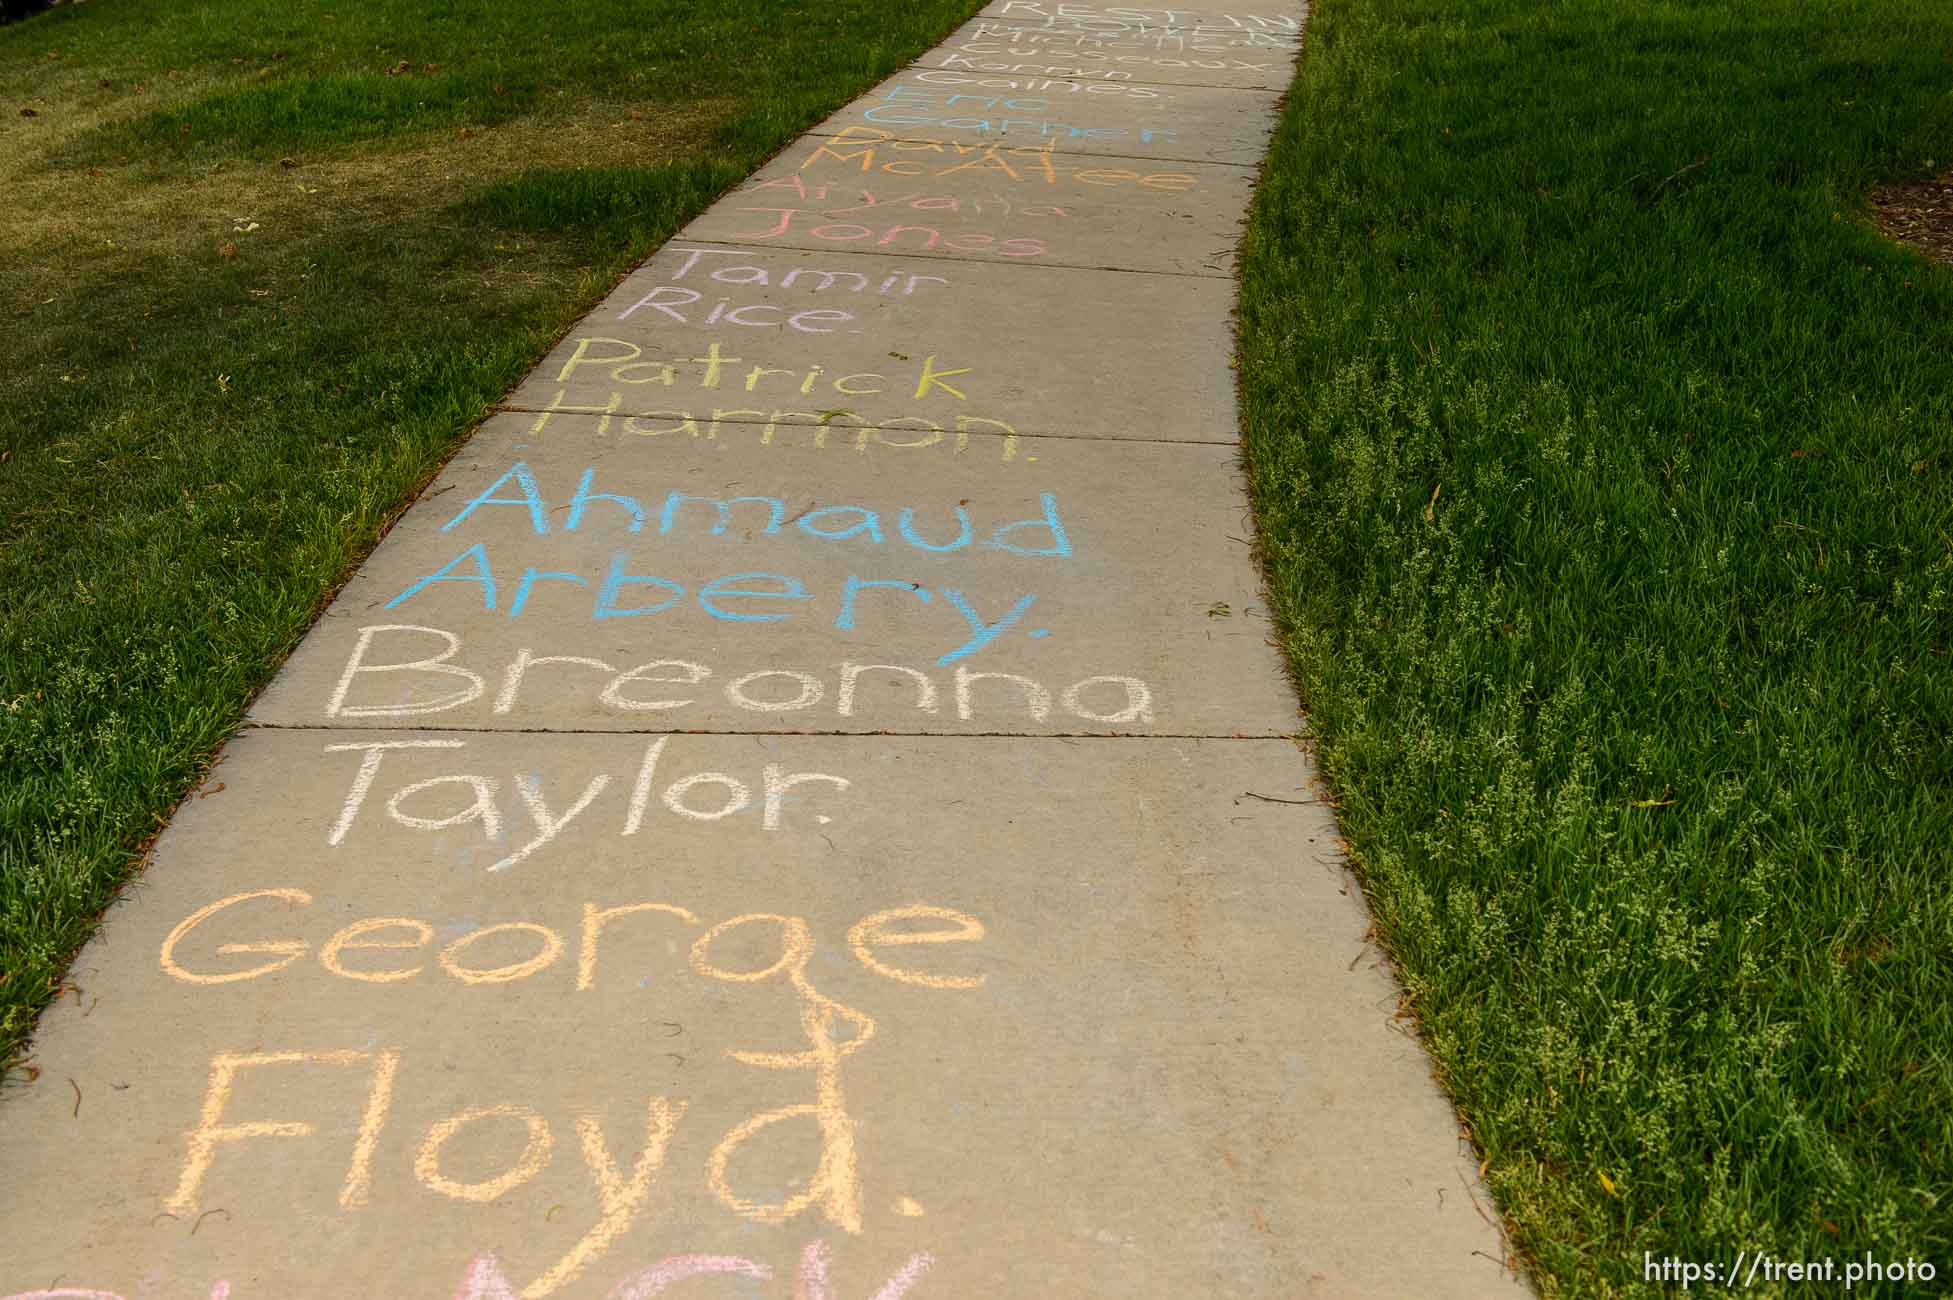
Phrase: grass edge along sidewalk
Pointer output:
(263, 271)
(1603, 459)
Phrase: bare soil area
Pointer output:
(1919, 213)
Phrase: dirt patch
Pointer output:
(102, 207)
(66, 227)
(1919, 213)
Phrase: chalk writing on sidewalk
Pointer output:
(1091, 61)
(905, 106)
(683, 304)
(484, 1278)
(999, 698)
(599, 1007)
(869, 149)
(1131, 21)
(883, 942)
(632, 408)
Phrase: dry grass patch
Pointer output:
(78, 235)
(57, 217)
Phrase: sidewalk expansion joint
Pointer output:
(837, 133)
(518, 408)
(682, 243)
(964, 261)
(1163, 85)
(335, 728)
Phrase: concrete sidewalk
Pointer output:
(806, 803)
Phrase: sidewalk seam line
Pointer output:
(339, 728)
(512, 408)
(821, 133)
(893, 252)
(966, 261)
(1169, 85)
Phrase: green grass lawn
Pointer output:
(261, 266)
(1604, 462)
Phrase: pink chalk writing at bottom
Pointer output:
(814, 1261)
(654, 1280)
(483, 1279)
